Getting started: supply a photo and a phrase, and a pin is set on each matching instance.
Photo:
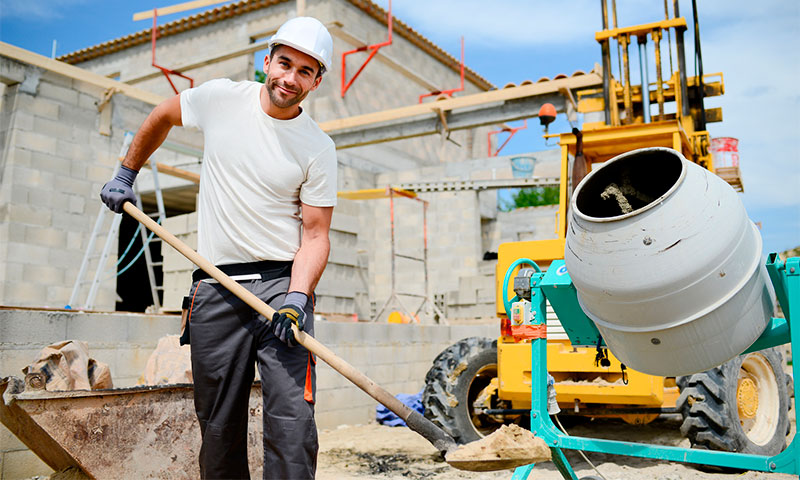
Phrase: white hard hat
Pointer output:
(307, 35)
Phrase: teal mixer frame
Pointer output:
(556, 286)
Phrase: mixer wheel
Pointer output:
(454, 384)
(740, 406)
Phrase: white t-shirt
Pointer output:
(256, 172)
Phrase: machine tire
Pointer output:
(740, 406)
(458, 374)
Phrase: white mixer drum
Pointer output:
(667, 263)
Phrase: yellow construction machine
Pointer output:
(478, 384)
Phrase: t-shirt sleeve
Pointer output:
(319, 189)
(197, 103)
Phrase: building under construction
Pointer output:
(415, 233)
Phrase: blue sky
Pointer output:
(755, 44)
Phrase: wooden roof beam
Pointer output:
(31, 58)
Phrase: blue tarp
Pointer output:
(384, 416)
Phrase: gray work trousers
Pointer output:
(228, 338)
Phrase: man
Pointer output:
(267, 191)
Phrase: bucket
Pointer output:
(522, 167)
(725, 151)
(666, 263)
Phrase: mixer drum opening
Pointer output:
(628, 184)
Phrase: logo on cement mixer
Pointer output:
(562, 270)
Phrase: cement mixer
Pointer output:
(666, 271)
(667, 265)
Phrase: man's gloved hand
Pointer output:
(291, 312)
(119, 190)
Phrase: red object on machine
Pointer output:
(373, 50)
(528, 332)
(450, 92)
(164, 70)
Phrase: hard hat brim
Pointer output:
(299, 48)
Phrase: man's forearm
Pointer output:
(153, 132)
(309, 263)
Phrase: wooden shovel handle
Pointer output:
(310, 343)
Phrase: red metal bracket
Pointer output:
(373, 50)
(510, 130)
(450, 92)
(166, 71)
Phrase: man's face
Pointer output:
(291, 75)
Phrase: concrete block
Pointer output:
(33, 254)
(377, 333)
(58, 295)
(57, 79)
(57, 92)
(68, 259)
(76, 204)
(176, 224)
(42, 274)
(99, 173)
(51, 127)
(435, 333)
(329, 379)
(96, 328)
(80, 187)
(22, 464)
(75, 240)
(36, 142)
(131, 362)
(27, 214)
(335, 333)
(13, 360)
(38, 106)
(45, 236)
(345, 416)
(148, 329)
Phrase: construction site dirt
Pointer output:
(376, 451)
(356, 452)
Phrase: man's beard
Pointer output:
(280, 101)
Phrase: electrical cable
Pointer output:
(130, 244)
(561, 427)
(139, 254)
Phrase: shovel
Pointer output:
(418, 423)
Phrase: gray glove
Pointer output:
(291, 312)
(119, 190)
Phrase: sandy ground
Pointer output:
(379, 452)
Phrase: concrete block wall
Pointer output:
(397, 357)
(461, 227)
(54, 163)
